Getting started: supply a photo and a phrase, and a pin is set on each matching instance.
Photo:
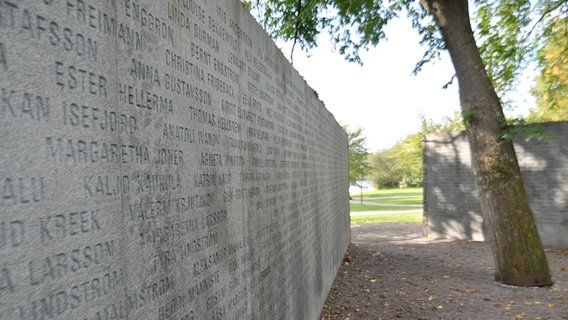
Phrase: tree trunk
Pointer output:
(518, 252)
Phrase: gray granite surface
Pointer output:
(162, 160)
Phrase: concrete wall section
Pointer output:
(451, 201)
(162, 160)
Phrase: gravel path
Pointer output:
(391, 272)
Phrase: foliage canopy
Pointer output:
(503, 30)
(401, 165)
(510, 33)
(358, 167)
(551, 88)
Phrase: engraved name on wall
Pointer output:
(161, 160)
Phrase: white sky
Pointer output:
(382, 96)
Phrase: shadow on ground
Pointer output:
(392, 272)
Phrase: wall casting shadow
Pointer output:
(451, 203)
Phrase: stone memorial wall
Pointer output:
(162, 160)
(452, 208)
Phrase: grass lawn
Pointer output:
(409, 192)
(356, 207)
(409, 200)
(404, 196)
(388, 218)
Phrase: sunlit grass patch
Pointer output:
(410, 192)
(414, 217)
(409, 200)
(356, 207)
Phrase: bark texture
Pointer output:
(518, 252)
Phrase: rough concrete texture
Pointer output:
(162, 160)
(451, 201)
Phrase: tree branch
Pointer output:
(546, 12)
(296, 29)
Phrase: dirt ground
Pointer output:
(391, 272)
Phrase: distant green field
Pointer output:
(409, 200)
(410, 192)
(356, 207)
(388, 218)
(410, 196)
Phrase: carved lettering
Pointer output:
(71, 150)
(91, 16)
(73, 78)
(157, 183)
(86, 116)
(179, 139)
(178, 133)
(154, 209)
(61, 226)
(222, 33)
(206, 38)
(100, 186)
(203, 180)
(144, 72)
(60, 264)
(203, 286)
(131, 38)
(6, 285)
(177, 62)
(200, 54)
(208, 139)
(170, 308)
(220, 86)
(148, 20)
(144, 99)
(211, 159)
(149, 293)
(187, 89)
(171, 157)
(56, 303)
(12, 234)
(24, 105)
(21, 190)
(179, 17)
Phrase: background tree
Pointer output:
(401, 165)
(551, 88)
(445, 24)
(383, 172)
(358, 167)
(513, 33)
(451, 123)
